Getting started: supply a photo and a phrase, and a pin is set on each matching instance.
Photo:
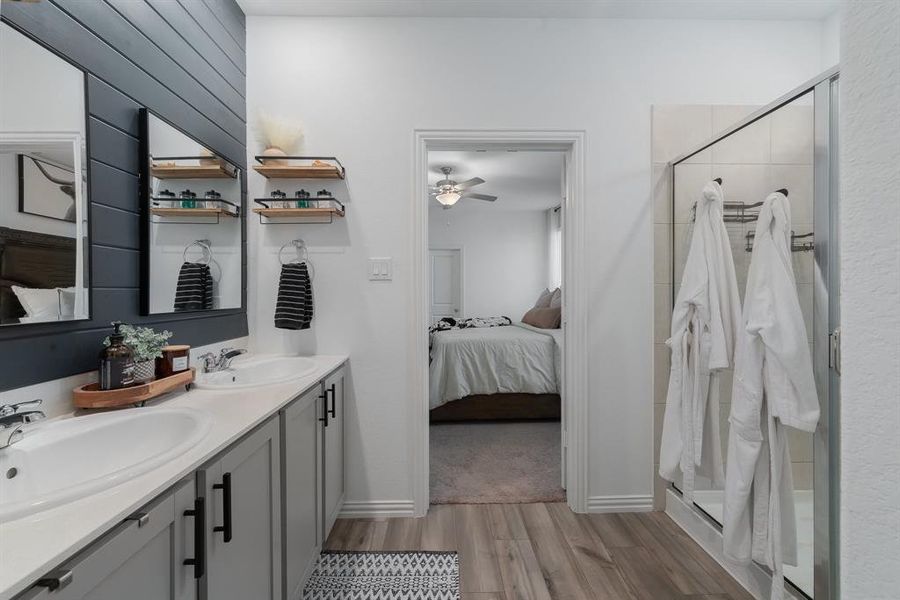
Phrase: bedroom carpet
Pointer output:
(485, 463)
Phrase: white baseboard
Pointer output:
(370, 509)
(753, 577)
(616, 504)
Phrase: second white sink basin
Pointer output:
(257, 370)
(63, 460)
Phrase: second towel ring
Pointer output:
(204, 246)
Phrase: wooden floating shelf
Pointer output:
(191, 212)
(273, 171)
(299, 212)
(91, 396)
(192, 172)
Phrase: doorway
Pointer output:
(572, 377)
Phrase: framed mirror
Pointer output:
(192, 210)
(44, 228)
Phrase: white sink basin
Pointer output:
(257, 371)
(63, 460)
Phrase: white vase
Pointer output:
(271, 156)
(144, 371)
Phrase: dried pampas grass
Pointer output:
(279, 132)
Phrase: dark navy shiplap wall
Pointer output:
(185, 61)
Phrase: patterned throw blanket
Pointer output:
(448, 323)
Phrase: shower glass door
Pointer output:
(783, 149)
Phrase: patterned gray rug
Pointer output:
(384, 576)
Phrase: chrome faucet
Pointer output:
(12, 419)
(212, 363)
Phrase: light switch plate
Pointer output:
(381, 269)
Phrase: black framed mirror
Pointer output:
(44, 208)
(192, 234)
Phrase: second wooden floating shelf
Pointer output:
(192, 172)
(191, 212)
(299, 212)
(285, 167)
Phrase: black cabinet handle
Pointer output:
(55, 580)
(225, 486)
(333, 410)
(199, 560)
(324, 417)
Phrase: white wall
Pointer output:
(362, 86)
(505, 257)
(870, 299)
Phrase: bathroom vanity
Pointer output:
(240, 514)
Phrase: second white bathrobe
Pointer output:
(774, 387)
(704, 325)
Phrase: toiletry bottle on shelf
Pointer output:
(116, 362)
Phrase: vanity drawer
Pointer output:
(140, 559)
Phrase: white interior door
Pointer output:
(446, 283)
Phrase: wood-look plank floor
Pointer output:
(547, 552)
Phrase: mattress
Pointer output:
(516, 359)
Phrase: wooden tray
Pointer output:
(90, 396)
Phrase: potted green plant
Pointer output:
(147, 346)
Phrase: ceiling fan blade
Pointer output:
(475, 196)
(464, 185)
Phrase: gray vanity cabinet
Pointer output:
(302, 479)
(334, 448)
(140, 559)
(243, 529)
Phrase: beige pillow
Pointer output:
(556, 298)
(543, 318)
(543, 300)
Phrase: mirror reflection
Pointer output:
(43, 195)
(193, 216)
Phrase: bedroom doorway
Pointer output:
(502, 416)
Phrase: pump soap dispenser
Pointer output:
(116, 362)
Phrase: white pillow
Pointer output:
(67, 302)
(556, 298)
(38, 302)
(543, 300)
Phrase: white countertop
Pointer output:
(33, 545)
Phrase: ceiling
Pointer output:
(611, 9)
(521, 180)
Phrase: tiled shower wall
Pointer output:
(774, 152)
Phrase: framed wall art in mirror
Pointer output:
(192, 238)
(44, 216)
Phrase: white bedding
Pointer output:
(493, 360)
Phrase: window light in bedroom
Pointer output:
(448, 198)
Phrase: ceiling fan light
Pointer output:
(448, 198)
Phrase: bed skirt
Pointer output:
(499, 407)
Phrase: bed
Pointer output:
(32, 260)
(493, 370)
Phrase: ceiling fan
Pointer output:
(448, 192)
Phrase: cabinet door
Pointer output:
(334, 449)
(243, 531)
(141, 559)
(301, 472)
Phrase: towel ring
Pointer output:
(204, 246)
(302, 255)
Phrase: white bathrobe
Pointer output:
(774, 387)
(704, 326)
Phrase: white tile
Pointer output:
(800, 184)
(681, 247)
(803, 475)
(662, 193)
(804, 265)
(806, 293)
(662, 253)
(792, 135)
(661, 368)
(678, 128)
(746, 183)
(800, 444)
(689, 182)
(750, 145)
(662, 308)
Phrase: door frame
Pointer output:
(574, 284)
(462, 274)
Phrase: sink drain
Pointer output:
(12, 473)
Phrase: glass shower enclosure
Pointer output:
(789, 145)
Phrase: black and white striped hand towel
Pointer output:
(294, 306)
(194, 290)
